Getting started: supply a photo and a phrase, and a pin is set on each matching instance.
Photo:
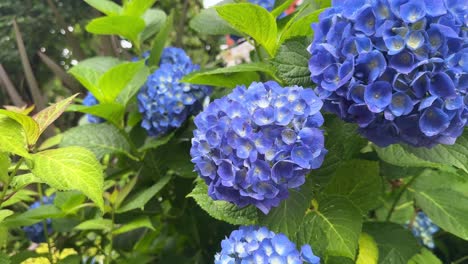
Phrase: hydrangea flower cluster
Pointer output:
(267, 4)
(90, 100)
(254, 144)
(399, 69)
(258, 245)
(35, 232)
(164, 101)
(423, 228)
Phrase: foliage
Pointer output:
(120, 194)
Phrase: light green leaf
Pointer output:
(153, 143)
(23, 180)
(30, 127)
(279, 8)
(254, 21)
(222, 210)
(359, 181)
(69, 201)
(292, 62)
(105, 6)
(47, 116)
(133, 86)
(4, 258)
(125, 191)
(136, 8)
(50, 142)
(333, 228)
(71, 168)
(101, 139)
(300, 27)
(159, 41)
(154, 20)
(288, 216)
(424, 257)
(208, 22)
(32, 216)
(95, 224)
(5, 163)
(4, 214)
(114, 81)
(140, 199)
(12, 137)
(112, 112)
(230, 77)
(99, 64)
(368, 250)
(141, 222)
(126, 26)
(23, 195)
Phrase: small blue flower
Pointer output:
(397, 68)
(164, 101)
(423, 229)
(35, 232)
(267, 4)
(250, 244)
(90, 100)
(254, 144)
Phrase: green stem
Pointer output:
(460, 260)
(400, 194)
(7, 183)
(44, 225)
(111, 237)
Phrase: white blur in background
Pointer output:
(210, 3)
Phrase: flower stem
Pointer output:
(7, 183)
(44, 224)
(400, 194)
(111, 237)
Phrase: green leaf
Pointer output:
(368, 250)
(125, 191)
(4, 258)
(279, 9)
(288, 216)
(222, 210)
(117, 78)
(153, 143)
(333, 228)
(300, 27)
(154, 20)
(101, 139)
(254, 21)
(71, 168)
(359, 181)
(32, 216)
(4, 214)
(126, 26)
(292, 62)
(50, 142)
(88, 71)
(136, 8)
(141, 222)
(5, 163)
(112, 112)
(69, 201)
(12, 137)
(424, 257)
(208, 22)
(159, 41)
(30, 127)
(95, 224)
(396, 244)
(23, 195)
(47, 116)
(105, 6)
(230, 77)
(23, 180)
(140, 199)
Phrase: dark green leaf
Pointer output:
(424, 257)
(5, 163)
(142, 222)
(209, 22)
(154, 20)
(32, 216)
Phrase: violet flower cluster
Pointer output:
(258, 245)
(90, 100)
(254, 144)
(164, 101)
(423, 229)
(399, 69)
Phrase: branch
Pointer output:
(10, 88)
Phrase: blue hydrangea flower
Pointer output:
(423, 228)
(90, 100)
(399, 69)
(267, 4)
(254, 144)
(164, 101)
(258, 245)
(35, 232)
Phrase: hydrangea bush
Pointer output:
(396, 68)
(343, 140)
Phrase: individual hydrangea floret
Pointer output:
(90, 100)
(254, 144)
(164, 101)
(423, 228)
(258, 245)
(35, 232)
(399, 69)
